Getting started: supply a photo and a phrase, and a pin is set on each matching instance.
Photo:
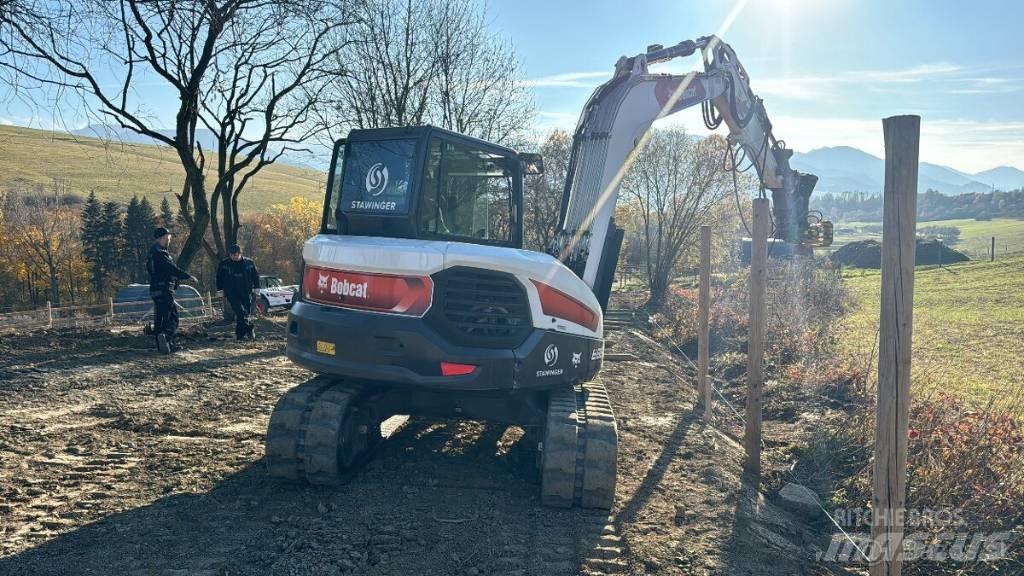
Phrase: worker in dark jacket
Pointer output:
(237, 277)
(163, 280)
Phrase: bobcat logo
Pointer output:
(576, 357)
(322, 282)
(377, 179)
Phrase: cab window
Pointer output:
(467, 194)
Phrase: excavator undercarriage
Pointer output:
(321, 430)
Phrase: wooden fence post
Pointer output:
(111, 301)
(703, 336)
(993, 249)
(755, 339)
(49, 314)
(902, 141)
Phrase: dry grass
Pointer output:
(116, 171)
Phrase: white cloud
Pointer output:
(569, 80)
(813, 87)
(989, 85)
(912, 74)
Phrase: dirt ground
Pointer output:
(116, 460)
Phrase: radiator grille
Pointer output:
(481, 307)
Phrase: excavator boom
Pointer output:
(618, 115)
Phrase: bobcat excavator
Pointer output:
(418, 299)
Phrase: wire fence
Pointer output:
(109, 314)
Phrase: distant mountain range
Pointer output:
(846, 169)
(319, 157)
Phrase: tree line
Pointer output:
(932, 205)
(64, 250)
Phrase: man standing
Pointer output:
(237, 277)
(163, 279)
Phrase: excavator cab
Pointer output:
(427, 183)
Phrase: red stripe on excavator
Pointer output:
(388, 293)
(556, 303)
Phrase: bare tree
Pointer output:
(543, 194)
(479, 87)
(432, 61)
(675, 183)
(391, 66)
(249, 70)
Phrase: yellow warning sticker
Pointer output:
(325, 347)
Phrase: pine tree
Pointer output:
(111, 240)
(138, 227)
(182, 220)
(92, 216)
(167, 219)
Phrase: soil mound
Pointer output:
(868, 254)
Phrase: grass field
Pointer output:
(975, 235)
(968, 326)
(116, 171)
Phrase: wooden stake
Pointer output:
(755, 339)
(49, 314)
(993, 249)
(703, 336)
(902, 141)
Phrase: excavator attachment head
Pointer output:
(818, 232)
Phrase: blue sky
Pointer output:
(828, 70)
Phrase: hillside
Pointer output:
(117, 170)
(968, 322)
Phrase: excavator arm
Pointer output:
(618, 115)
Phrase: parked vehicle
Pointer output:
(273, 294)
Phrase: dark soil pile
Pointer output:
(868, 254)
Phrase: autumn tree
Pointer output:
(274, 239)
(250, 71)
(43, 232)
(674, 184)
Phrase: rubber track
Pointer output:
(558, 461)
(305, 430)
(287, 421)
(578, 466)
